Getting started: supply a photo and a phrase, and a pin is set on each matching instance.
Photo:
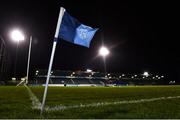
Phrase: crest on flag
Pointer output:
(83, 33)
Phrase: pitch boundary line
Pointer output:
(57, 108)
(35, 101)
(37, 105)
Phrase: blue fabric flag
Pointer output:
(73, 31)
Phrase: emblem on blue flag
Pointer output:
(73, 31)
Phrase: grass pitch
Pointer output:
(15, 102)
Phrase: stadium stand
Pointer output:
(84, 78)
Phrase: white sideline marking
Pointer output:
(35, 101)
(108, 103)
(37, 105)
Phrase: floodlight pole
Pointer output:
(29, 57)
(61, 13)
(105, 67)
(16, 58)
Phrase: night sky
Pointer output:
(140, 35)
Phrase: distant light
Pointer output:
(153, 77)
(23, 79)
(73, 73)
(37, 71)
(162, 76)
(135, 75)
(13, 79)
(17, 35)
(106, 76)
(143, 77)
(110, 77)
(109, 74)
(132, 77)
(146, 74)
(119, 76)
(103, 51)
(171, 82)
(159, 77)
(88, 70)
(51, 71)
(123, 74)
(156, 75)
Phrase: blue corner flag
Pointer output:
(73, 31)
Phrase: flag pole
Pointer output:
(29, 57)
(61, 13)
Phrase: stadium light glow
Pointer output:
(13, 79)
(103, 51)
(146, 74)
(17, 35)
(88, 70)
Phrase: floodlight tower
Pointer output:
(17, 36)
(104, 52)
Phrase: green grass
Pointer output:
(15, 102)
